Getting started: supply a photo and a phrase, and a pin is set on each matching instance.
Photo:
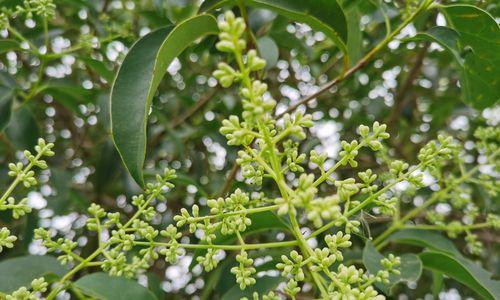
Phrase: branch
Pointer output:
(203, 100)
(400, 99)
(360, 64)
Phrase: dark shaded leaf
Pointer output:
(6, 101)
(20, 271)
(8, 45)
(355, 35)
(23, 129)
(154, 285)
(322, 15)
(105, 287)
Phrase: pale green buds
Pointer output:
(6, 240)
(244, 270)
(209, 261)
(37, 286)
(235, 133)
(231, 30)
(226, 75)
(292, 267)
(292, 288)
(323, 259)
(254, 62)
(347, 188)
(317, 158)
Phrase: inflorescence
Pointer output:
(270, 149)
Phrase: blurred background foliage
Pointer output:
(411, 85)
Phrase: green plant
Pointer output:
(298, 220)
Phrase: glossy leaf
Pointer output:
(480, 33)
(322, 15)
(268, 50)
(105, 287)
(137, 81)
(425, 239)
(411, 267)
(20, 271)
(463, 271)
(5, 106)
(481, 279)
(446, 37)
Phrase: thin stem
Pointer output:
(433, 199)
(244, 15)
(16, 181)
(324, 175)
(363, 204)
(237, 212)
(20, 37)
(220, 246)
(97, 252)
(361, 63)
(446, 227)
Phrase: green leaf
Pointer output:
(446, 37)
(262, 221)
(439, 244)
(23, 130)
(154, 285)
(425, 239)
(105, 287)
(106, 166)
(6, 101)
(137, 80)
(464, 271)
(8, 45)
(268, 50)
(20, 271)
(437, 283)
(411, 267)
(262, 286)
(355, 34)
(480, 32)
(322, 15)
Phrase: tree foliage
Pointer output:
(249, 149)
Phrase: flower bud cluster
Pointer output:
(38, 286)
(116, 255)
(23, 173)
(271, 150)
